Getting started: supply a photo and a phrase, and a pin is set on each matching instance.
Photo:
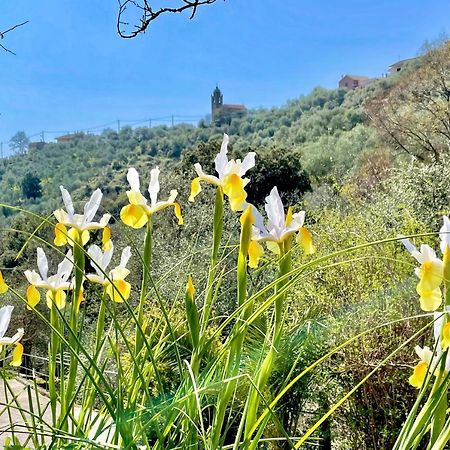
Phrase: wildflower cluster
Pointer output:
(65, 288)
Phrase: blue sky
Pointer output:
(73, 72)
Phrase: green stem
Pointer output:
(238, 335)
(53, 352)
(146, 267)
(440, 413)
(284, 267)
(79, 266)
(90, 388)
(217, 237)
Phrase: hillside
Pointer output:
(351, 159)
(324, 128)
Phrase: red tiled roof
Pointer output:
(239, 107)
(355, 77)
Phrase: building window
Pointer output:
(355, 83)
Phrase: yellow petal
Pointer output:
(273, 247)
(445, 336)
(33, 297)
(255, 252)
(177, 210)
(3, 285)
(80, 298)
(233, 188)
(58, 297)
(289, 216)
(190, 288)
(247, 216)
(118, 290)
(431, 274)
(429, 300)
(304, 238)
(419, 374)
(84, 237)
(195, 188)
(107, 246)
(106, 239)
(17, 355)
(134, 216)
(136, 198)
(60, 235)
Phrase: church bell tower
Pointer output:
(216, 102)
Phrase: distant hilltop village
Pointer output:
(222, 112)
(355, 81)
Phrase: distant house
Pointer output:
(68, 137)
(399, 65)
(354, 81)
(223, 113)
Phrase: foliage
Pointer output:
(31, 186)
(19, 142)
(414, 115)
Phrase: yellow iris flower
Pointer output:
(422, 367)
(430, 274)
(75, 227)
(280, 227)
(230, 176)
(5, 318)
(137, 213)
(56, 285)
(113, 282)
(3, 286)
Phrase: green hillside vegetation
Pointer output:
(346, 158)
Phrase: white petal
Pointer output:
(208, 178)
(32, 276)
(61, 216)
(221, 160)
(96, 255)
(259, 221)
(107, 256)
(133, 179)
(408, 244)
(437, 328)
(444, 234)
(42, 263)
(248, 163)
(96, 278)
(91, 207)
(274, 210)
(425, 354)
(126, 255)
(298, 219)
(67, 199)
(428, 254)
(5, 317)
(12, 340)
(65, 267)
(153, 187)
(119, 273)
(173, 196)
(104, 220)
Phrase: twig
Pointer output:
(148, 14)
(2, 35)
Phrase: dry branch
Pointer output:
(3, 33)
(148, 14)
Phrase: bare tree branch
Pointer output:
(147, 14)
(3, 33)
